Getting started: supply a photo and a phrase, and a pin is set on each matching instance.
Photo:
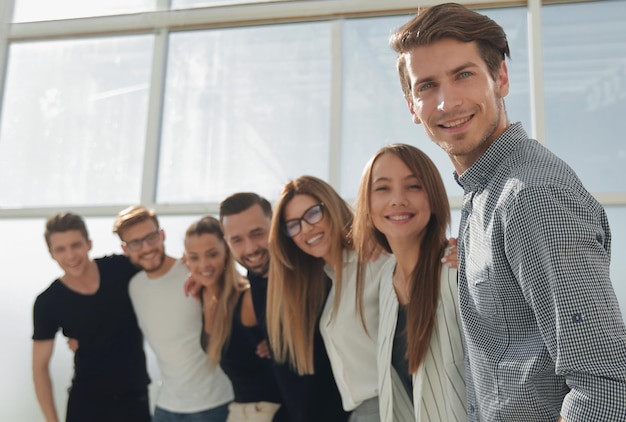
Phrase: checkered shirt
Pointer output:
(543, 330)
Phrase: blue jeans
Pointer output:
(217, 414)
(366, 411)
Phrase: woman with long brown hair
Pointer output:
(402, 204)
(231, 332)
(317, 281)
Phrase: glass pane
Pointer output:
(584, 52)
(42, 10)
(245, 109)
(187, 4)
(74, 133)
(617, 220)
(374, 110)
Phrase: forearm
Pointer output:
(45, 397)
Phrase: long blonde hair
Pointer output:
(227, 293)
(297, 289)
(424, 286)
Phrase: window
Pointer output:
(584, 52)
(74, 134)
(245, 109)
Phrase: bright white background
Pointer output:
(177, 110)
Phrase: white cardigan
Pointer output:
(439, 384)
(351, 349)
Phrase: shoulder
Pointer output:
(449, 274)
(49, 294)
(531, 166)
(117, 264)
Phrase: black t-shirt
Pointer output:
(251, 376)
(110, 358)
(398, 353)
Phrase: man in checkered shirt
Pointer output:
(544, 336)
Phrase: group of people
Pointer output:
(357, 313)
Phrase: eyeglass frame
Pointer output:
(304, 218)
(150, 239)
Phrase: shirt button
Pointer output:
(471, 408)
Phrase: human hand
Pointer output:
(451, 259)
(72, 343)
(263, 350)
(192, 287)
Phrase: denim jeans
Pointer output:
(217, 414)
(366, 412)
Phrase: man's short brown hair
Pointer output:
(131, 216)
(64, 222)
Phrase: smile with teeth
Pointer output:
(456, 123)
(73, 264)
(399, 217)
(314, 239)
(149, 255)
(255, 257)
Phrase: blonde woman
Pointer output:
(231, 333)
(402, 203)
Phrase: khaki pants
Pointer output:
(261, 411)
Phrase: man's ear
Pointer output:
(125, 250)
(89, 244)
(503, 80)
(409, 103)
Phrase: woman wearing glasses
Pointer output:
(230, 331)
(402, 204)
(315, 278)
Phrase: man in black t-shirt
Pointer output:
(90, 303)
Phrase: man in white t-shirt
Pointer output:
(171, 323)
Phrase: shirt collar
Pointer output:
(478, 175)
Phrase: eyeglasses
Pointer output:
(151, 239)
(312, 215)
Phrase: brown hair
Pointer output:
(63, 222)
(424, 285)
(297, 291)
(228, 289)
(132, 215)
(450, 20)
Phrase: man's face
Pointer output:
(454, 96)
(143, 244)
(247, 234)
(70, 250)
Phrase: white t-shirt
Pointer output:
(171, 324)
(351, 349)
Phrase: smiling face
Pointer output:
(399, 205)
(70, 249)
(456, 99)
(313, 239)
(149, 254)
(205, 255)
(247, 235)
